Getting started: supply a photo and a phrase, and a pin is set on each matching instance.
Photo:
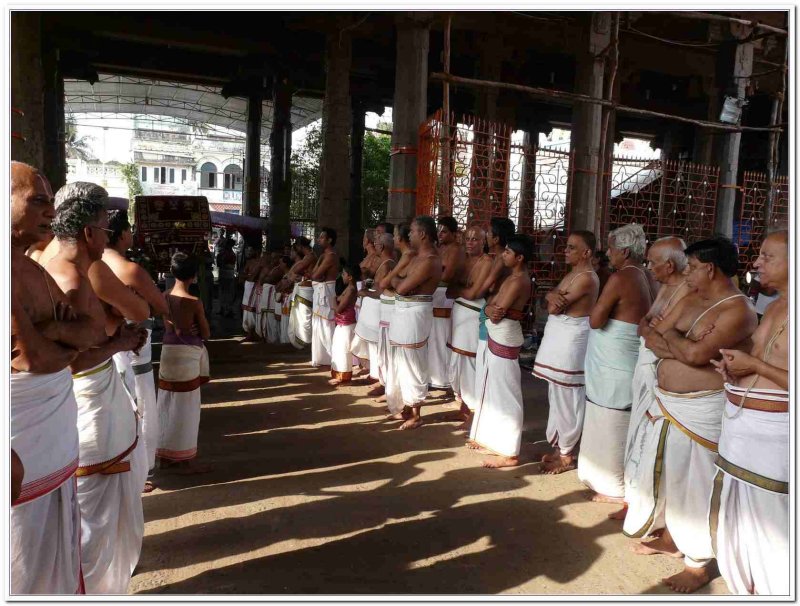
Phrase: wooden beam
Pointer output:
(727, 19)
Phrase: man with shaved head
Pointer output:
(466, 312)
(47, 335)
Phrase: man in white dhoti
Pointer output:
(749, 511)
(666, 263)
(182, 370)
(453, 258)
(324, 284)
(690, 397)
(274, 313)
(467, 308)
(562, 352)
(136, 368)
(413, 318)
(302, 294)
(46, 337)
(497, 427)
(611, 354)
(112, 464)
(249, 275)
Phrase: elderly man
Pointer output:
(466, 312)
(46, 337)
(413, 317)
(561, 355)
(666, 262)
(749, 512)
(690, 397)
(452, 254)
(611, 355)
(113, 461)
(302, 294)
(324, 284)
(137, 368)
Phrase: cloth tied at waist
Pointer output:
(304, 295)
(386, 308)
(43, 428)
(505, 338)
(412, 321)
(698, 414)
(442, 306)
(324, 298)
(611, 355)
(182, 367)
(562, 352)
(464, 336)
(369, 319)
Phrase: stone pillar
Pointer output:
(729, 143)
(54, 161)
(334, 203)
(408, 112)
(280, 144)
(527, 191)
(251, 201)
(587, 123)
(356, 165)
(27, 88)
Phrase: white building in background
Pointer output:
(108, 174)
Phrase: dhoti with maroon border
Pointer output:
(408, 334)
(438, 353)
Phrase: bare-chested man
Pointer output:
(466, 313)
(453, 257)
(413, 317)
(324, 284)
(611, 355)
(47, 335)
(750, 501)
(497, 427)
(690, 397)
(372, 257)
(137, 368)
(561, 355)
(113, 462)
(302, 293)
(248, 275)
(666, 263)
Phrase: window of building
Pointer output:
(163, 174)
(233, 177)
(183, 175)
(144, 173)
(231, 211)
(172, 175)
(208, 175)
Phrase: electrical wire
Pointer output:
(672, 42)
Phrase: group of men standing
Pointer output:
(668, 393)
(86, 425)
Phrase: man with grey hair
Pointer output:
(611, 354)
(666, 262)
(112, 465)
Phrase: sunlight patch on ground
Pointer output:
(477, 546)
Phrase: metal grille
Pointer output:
(753, 224)
(672, 198)
(304, 203)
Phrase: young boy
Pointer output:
(183, 369)
(345, 318)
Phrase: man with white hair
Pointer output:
(610, 360)
(666, 262)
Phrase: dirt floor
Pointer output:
(313, 492)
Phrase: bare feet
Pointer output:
(499, 462)
(601, 498)
(689, 580)
(619, 515)
(380, 399)
(660, 546)
(148, 487)
(412, 423)
(376, 391)
(334, 382)
(472, 445)
(551, 457)
(557, 463)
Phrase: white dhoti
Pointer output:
(464, 346)
(611, 355)
(249, 307)
(749, 510)
(560, 362)
(497, 425)
(300, 319)
(408, 334)
(286, 310)
(480, 355)
(111, 475)
(385, 357)
(183, 369)
(367, 334)
(45, 520)
(341, 359)
(322, 323)
(274, 319)
(438, 353)
(693, 424)
(264, 310)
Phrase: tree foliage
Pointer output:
(77, 147)
(130, 173)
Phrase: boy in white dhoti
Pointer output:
(182, 370)
(46, 337)
(561, 354)
(413, 318)
(465, 322)
(112, 464)
(691, 399)
(611, 355)
(749, 511)
(324, 284)
(497, 427)
(342, 359)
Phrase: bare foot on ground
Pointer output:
(601, 498)
(376, 391)
(499, 462)
(620, 514)
(689, 580)
(334, 382)
(556, 464)
(411, 424)
(381, 399)
(659, 546)
(148, 487)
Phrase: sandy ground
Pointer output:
(314, 492)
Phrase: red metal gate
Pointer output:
(753, 224)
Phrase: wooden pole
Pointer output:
(727, 19)
(446, 206)
(569, 98)
(774, 139)
(605, 163)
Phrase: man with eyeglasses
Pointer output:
(691, 400)
(112, 466)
